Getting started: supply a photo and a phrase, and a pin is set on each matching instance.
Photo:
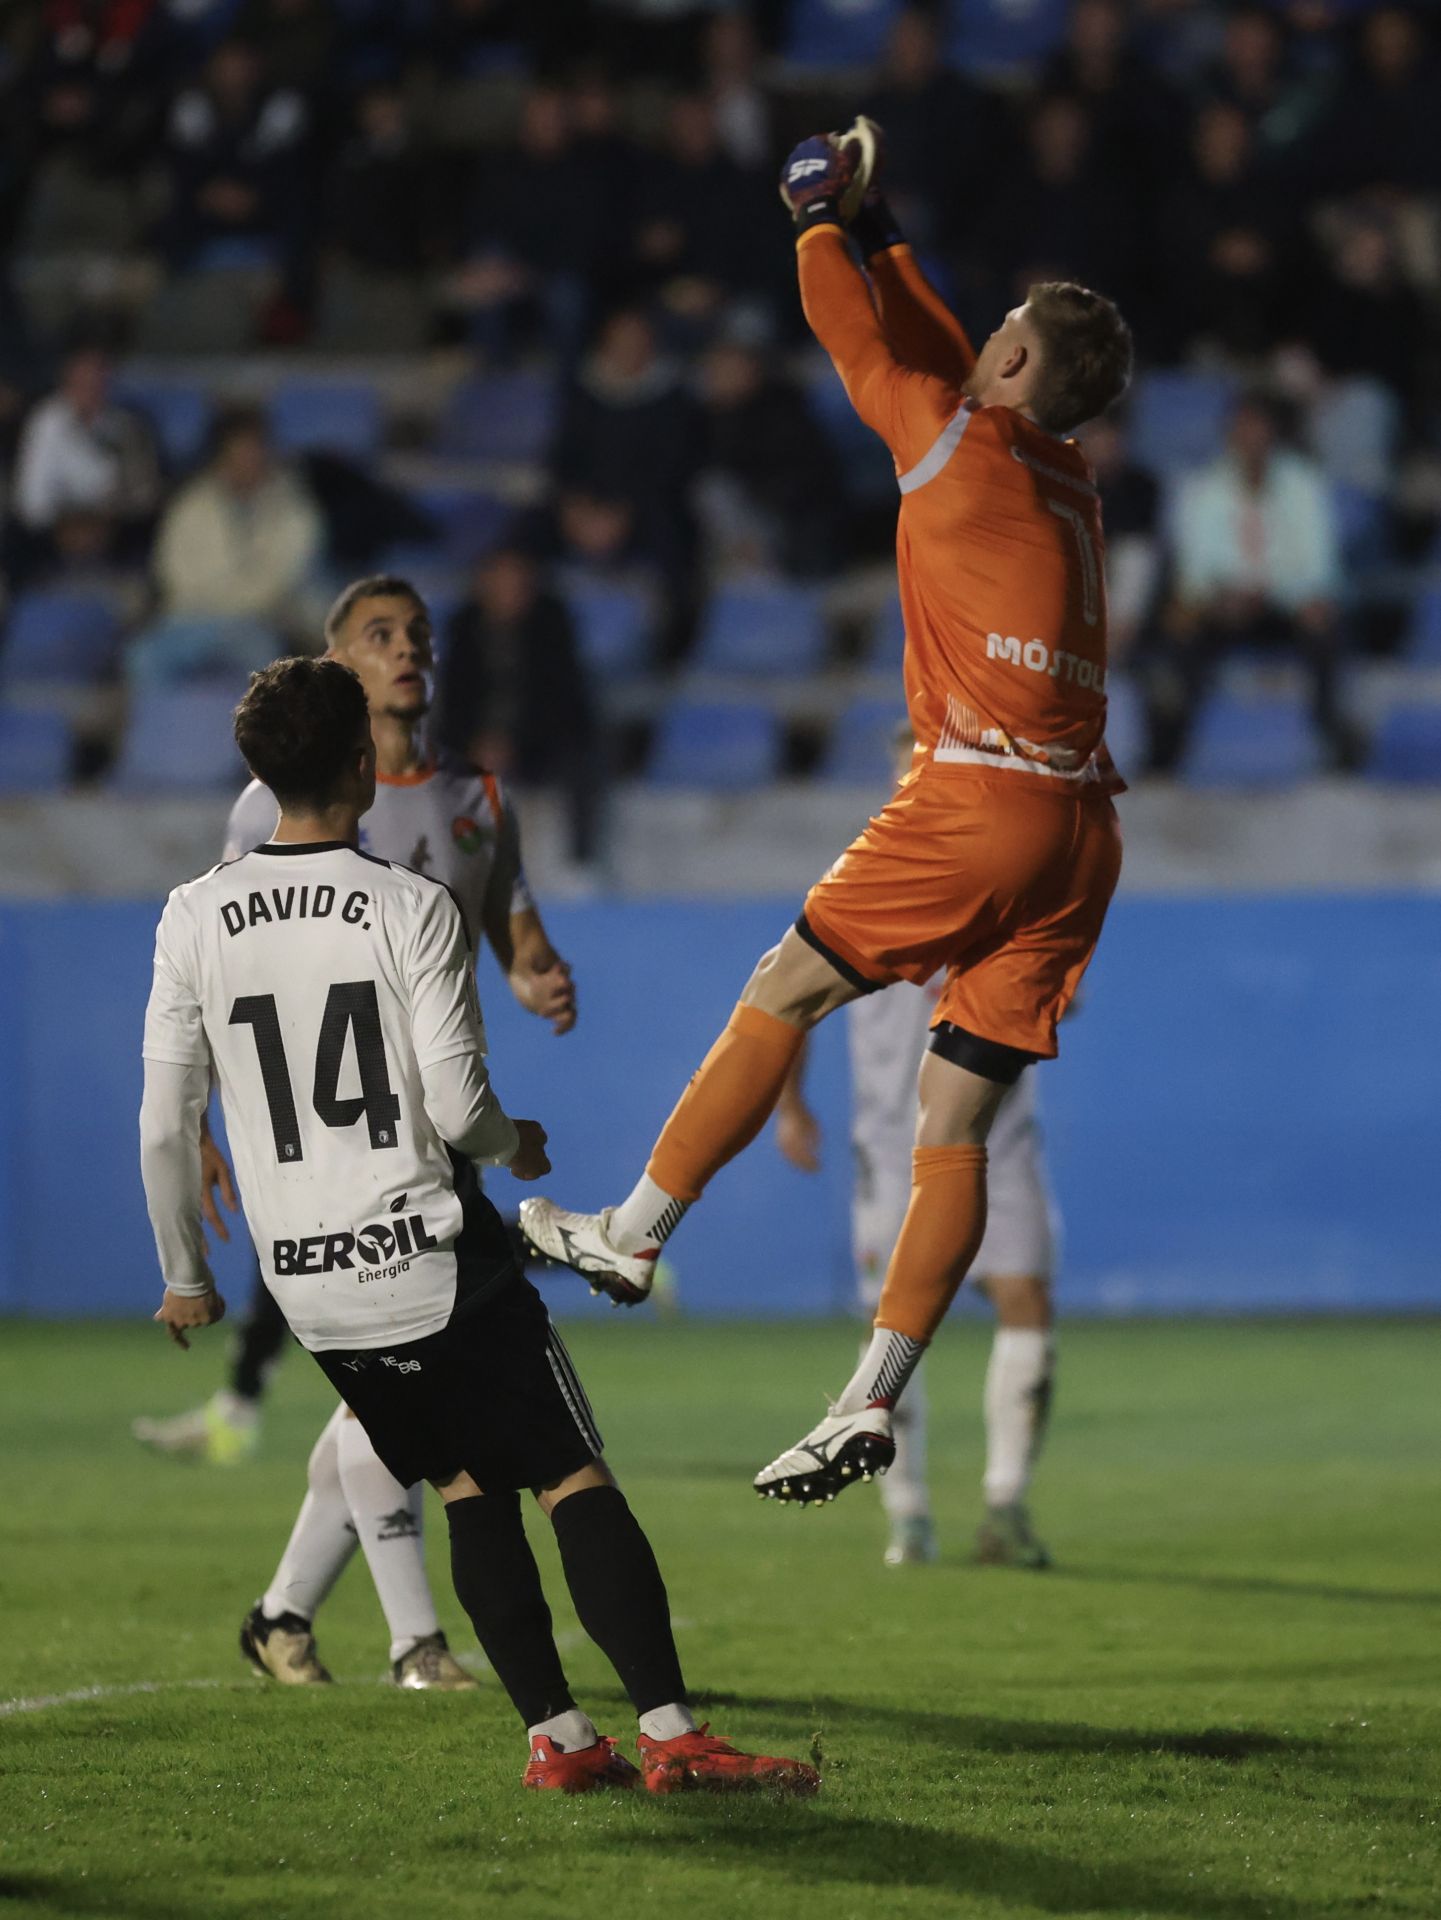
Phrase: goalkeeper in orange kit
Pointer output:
(995, 860)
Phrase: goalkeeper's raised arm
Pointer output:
(901, 354)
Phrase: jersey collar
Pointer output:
(306, 846)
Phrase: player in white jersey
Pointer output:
(438, 815)
(332, 995)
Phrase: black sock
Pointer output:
(498, 1584)
(257, 1341)
(619, 1594)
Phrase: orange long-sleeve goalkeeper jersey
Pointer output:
(999, 547)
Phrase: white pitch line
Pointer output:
(36, 1703)
(566, 1642)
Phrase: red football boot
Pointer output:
(695, 1760)
(582, 1771)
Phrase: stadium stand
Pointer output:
(724, 749)
(35, 751)
(763, 629)
(179, 739)
(862, 747)
(1251, 738)
(1407, 746)
(373, 360)
(59, 638)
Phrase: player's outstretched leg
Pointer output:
(1019, 1388)
(944, 1225)
(225, 1431)
(728, 1101)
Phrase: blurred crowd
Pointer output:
(581, 196)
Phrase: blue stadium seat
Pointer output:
(1423, 645)
(614, 626)
(888, 638)
(469, 522)
(503, 416)
(838, 33)
(179, 739)
(995, 38)
(723, 748)
(1179, 420)
(180, 648)
(763, 628)
(236, 253)
(1407, 746)
(328, 416)
(180, 415)
(1125, 724)
(34, 751)
(867, 469)
(862, 749)
(1362, 527)
(1252, 740)
(59, 638)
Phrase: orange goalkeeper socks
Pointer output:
(727, 1102)
(938, 1241)
(942, 1232)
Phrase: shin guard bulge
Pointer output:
(727, 1102)
(943, 1229)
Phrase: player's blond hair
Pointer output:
(1085, 353)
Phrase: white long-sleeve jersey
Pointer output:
(333, 996)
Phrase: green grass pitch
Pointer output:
(1223, 1702)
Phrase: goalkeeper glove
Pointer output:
(815, 180)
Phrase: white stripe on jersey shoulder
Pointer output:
(939, 452)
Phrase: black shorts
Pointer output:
(493, 1395)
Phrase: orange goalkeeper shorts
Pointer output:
(1001, 878)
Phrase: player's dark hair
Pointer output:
(1085, 354)
(375, 586)
(298, 726)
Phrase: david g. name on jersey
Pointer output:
(327, 1252)
(316, 905)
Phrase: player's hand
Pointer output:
(544, 985)
(183, 1313)
(817, 176)
(530, 1160)
(215, 1176)
(798, 1135)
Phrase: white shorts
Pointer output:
(1022, 1229)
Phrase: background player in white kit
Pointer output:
(888, 1035)
(438, 815)
(333, 996)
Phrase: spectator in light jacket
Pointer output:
(1257, 565)
(243, 537)
(235, 561)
